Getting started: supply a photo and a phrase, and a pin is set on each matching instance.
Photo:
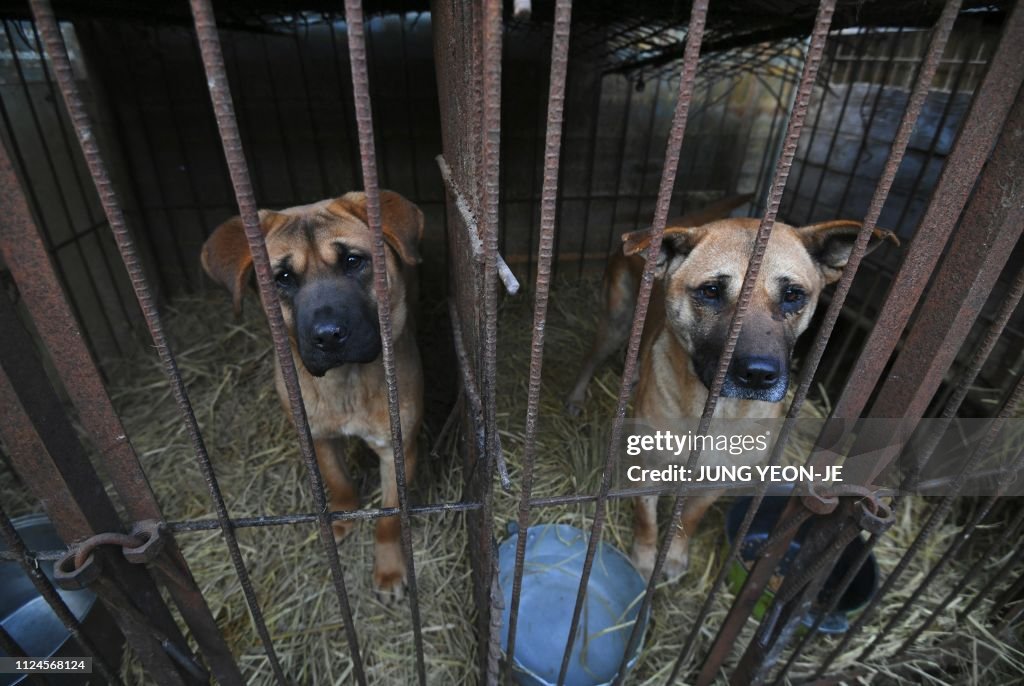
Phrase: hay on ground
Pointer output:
(227, 366)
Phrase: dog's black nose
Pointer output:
(327, 336)
(757, 373)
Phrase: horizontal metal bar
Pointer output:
(310, 517)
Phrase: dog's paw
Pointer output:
(676, 564)
(389, 574)
(643, 559)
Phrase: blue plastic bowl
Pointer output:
(551, 577)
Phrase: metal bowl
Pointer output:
(28, 618)
(551, 577)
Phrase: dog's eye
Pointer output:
(285, 279)
(354, 262)
(710, 291)
(793, 298)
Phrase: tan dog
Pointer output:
(699, 274)
(320, 254)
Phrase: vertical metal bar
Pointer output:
(733, 623)
(47, 456)
(1012, 534)
(63, 201)
(41, 293)
(489, 194)
(87, 200)
(814, 57)
(19, 158)
(694, 36)
(840, 119)
(364, 123)
(549, 205)
(86, 34)
(57, 52)
(220, 94)
(937, 516)
(963, 67)
(890, 69)
(978, 133)
(45, 588)
(826, 91)
(953, 405)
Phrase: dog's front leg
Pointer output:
(389, 573)
(341, 494)
(645, 533)
(694, 509)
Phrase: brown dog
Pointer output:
(320, 254)
(699, 274)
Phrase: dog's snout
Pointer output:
(328, 333)
(757, 373)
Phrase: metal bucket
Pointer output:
(29, 620)
(551, 577)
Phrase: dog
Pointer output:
(699, 272)
(320, 254)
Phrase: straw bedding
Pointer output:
(227, 366)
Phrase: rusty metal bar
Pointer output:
(549, 207)
(364, 124)
(1012, 534)
(220, 94)
(311, 517)
(470, 390)
(694, 36)
(135, 490)
(978, 133)
(16, 545)
(490, 169)
(50, 461)
(949, 411)
(62, 199)
(763, 568)
(937, 516)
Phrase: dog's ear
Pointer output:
(676, 241)
(401, 221)
(226, 257)
(830, 244)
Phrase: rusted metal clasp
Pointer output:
(145, 545)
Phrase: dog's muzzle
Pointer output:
(751, 377)
(335, 325)
(756, 378)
